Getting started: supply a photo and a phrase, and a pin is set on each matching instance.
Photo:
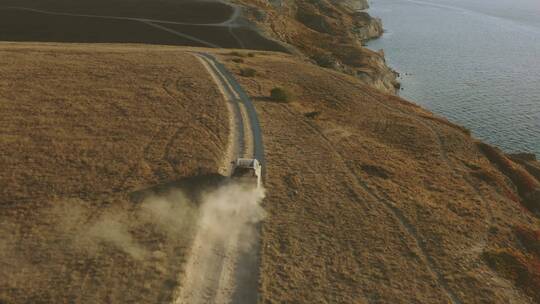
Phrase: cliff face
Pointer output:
(329, 33)
(354, 4)
(367, 27)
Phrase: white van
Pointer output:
(247, 170)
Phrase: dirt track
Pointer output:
(219, 269)
(77, 155)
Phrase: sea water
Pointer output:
(476, 62)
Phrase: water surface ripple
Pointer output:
(476, 62)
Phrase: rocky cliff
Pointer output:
(355, 4)
(330, 33)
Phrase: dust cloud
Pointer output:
(111, 230)
(223, 255)
(230, 210)
(94, 229)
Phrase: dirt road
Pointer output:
(223, 269)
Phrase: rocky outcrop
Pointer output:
(380, 75)
(355, 5)
(366, 27)
(328, 32)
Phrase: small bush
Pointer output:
(237, 60)
(312, 114)
(248, 72)
(376, 171)
(237, 54)
(325, 61)
(280, 94)
(251, 54)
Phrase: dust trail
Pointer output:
(227, 231)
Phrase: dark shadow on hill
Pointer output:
(178, 11)
(193, 187)
(29, 26)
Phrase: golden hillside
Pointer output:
(369, 197)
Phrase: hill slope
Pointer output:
(369, 197)
(86, 132)
(373, 199)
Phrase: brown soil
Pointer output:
(88, 133)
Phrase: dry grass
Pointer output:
(372, 197)
(530, 239)
(529, 162)
(527, 185)
(83, 130)
(327, 32)
(448, 123)
(523, 271)
(369, 200)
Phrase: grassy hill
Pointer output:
(370, 198)
(374, 199)
(88, 134)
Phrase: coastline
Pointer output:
(485, 84)
(331, 34)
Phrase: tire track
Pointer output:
(212, 271)
(444, 155)
(409, 228)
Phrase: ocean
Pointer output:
(476, 62)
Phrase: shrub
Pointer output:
(248, 72)
(325, 61)
(237, 54)
(280, 94)
(237, 60)
(312, 114)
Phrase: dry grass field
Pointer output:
(370, 199)
(85, 130)
(374, 200)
